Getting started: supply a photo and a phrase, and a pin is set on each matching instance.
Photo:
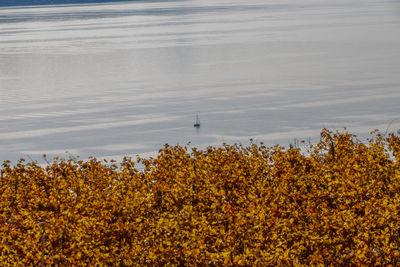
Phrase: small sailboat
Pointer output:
(197, 122)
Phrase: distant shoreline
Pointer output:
(12, 3)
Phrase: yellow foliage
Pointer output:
(336, 203)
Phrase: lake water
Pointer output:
(125, 78)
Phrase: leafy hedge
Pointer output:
(337, 202)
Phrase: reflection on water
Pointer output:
(124, 78)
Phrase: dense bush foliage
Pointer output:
(336, 203)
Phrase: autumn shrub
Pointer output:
(334, 203)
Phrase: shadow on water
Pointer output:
(53, 2)
(87, 15)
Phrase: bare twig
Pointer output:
(45, 159)
(387, 129)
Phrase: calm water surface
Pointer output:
(125, 78)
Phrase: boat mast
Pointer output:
(197, 122)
